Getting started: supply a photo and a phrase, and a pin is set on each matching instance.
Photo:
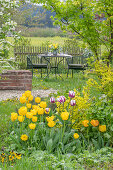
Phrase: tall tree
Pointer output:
(92, 20)
(30, 15)
(6, 25)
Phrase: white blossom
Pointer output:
(1, 13)
(8, 25)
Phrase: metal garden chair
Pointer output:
(32, 66)
(72, 66)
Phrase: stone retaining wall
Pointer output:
(16, 80)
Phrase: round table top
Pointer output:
(57, 55)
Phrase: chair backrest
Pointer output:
(80, 59)
(29, 62)
(69, 60)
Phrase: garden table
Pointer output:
(54, 60)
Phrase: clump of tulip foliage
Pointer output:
(62, 125)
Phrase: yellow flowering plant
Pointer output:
(77, 112)
(54, 47)
(10, 158)
(41, 123)
(68, 120)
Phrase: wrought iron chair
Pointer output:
(72, 66)
(32, 66)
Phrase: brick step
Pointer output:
(16, 80)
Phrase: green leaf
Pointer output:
(13, 146)
(69, 145)
(56, 139)
(107, 136)
(49, 145)
(111, 128)
(95, 143)
(66, 137)
(59, 117)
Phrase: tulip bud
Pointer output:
(47, 109)
(61, 99)
(73, 102)
(52, 100)
(71, 94)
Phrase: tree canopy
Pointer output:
(30, 15)
(91, 20)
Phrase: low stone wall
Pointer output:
(16, 80)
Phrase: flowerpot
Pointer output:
(54, 52)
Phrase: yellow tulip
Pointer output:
(51, 123)
(32, 126)
(102, 128)
(30, 98)
(40, 111)
(76, 135)
(43, 104)
(14, 116)
(28, 105)
(37, 99)
(29, 115)
(24, 137)
(23, 99)
(85, 123)
(94, 122)
(20, 118)
(50, 118)
(27, 93)
(34, 119)
(33, 111)
(64, 115)
(22, 111)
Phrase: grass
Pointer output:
(62, 84)
(6, 107)
(38, 41)
(42, 160)
(57, 83)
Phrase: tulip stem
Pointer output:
(40, 118)
(87, 136)
(63, 131)
(63, 106)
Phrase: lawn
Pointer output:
(38, 41)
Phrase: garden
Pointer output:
(72, 128)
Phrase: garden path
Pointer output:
(10, 94)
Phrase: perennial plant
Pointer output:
(68, 124)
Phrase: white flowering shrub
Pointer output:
(7, 26)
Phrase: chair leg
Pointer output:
(47, 73)
(72, 73)
(68, 72)
(83, 72)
